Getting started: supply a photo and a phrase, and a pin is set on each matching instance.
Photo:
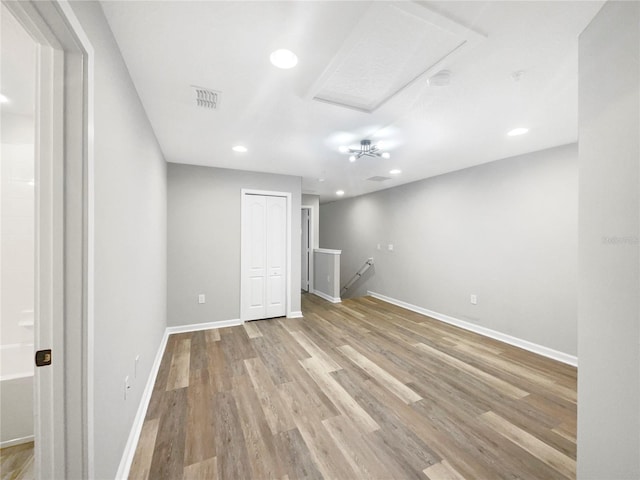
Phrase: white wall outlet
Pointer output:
(127, 386)
(390, 247)
(135, 366)
(201, 298)
(474, 299)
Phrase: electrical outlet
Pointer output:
(127, 386)
(474, 299)
(201, 298)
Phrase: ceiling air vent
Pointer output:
(207, 98)
(378, 179)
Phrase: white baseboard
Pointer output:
(487, 332)
(204, 326)
(329, 298)
(136, 428)
(138, 421)
(297, 314)
(16, 441)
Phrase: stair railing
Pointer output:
(367, 265)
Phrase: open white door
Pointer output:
(63, 239)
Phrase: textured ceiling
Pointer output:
(392, 46)
(361, 53)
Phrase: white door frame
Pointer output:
(243, 257)
(311, 242)
(64, 238)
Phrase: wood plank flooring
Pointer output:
(361, 389)
(16, 463)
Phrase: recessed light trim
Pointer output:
(518, 131)
(340, 193)
(395, 171)
(284, 59)
(3, 99)
(386, 155)
(240, 149)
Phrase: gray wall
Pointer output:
(204, 240)
(609, 257)
(130, 243)
(505, 231)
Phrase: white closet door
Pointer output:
(264, 251)
(276, 256)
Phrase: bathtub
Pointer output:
(16, 394)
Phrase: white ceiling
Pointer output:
(362, 49)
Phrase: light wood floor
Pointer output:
(361, 389)
(16, 463)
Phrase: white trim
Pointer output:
(327, 297)
(243, 193)
(204, 326)
(16, 441)
(327, 251)
(295, 315)
(138, 421)
(487, 332)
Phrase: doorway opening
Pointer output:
(306, 250)
(62, 236)
(17, 246)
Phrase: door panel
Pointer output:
(254, 281)
(276, 255)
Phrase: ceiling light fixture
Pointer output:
(395, 171)
(518, 131)
(3, 99)
(366, 150)
(240, 149)
(340, 193)
(284, 59)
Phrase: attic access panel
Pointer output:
(391, 47)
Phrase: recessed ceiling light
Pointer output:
(3, 99)
(386, 155)
(352, 158)
(321, 179)
(284, 59)
(240, 149)
(518, 131)
(395, 171)
(340, 193)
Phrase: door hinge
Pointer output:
(43, 358)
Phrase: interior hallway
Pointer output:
(354, 390)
